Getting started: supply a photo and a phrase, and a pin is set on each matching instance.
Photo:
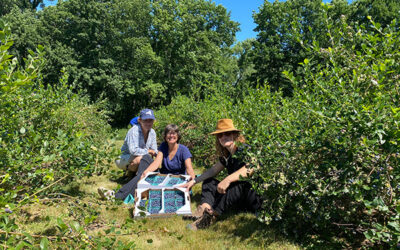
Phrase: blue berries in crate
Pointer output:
(174, 181)
(155, 194)
(155, 180)
(169, 194)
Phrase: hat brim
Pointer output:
(148, 118)
(225, 130)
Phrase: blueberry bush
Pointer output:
(327, 157)
(50, 136)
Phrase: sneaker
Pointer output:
(207, 219)
(106, 194)
(196, 215)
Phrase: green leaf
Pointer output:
(44, 243)
(394, 225)
(61, 224)
(75, 225)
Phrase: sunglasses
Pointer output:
(220, 135)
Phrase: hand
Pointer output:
(223, 186)
(152, 152)
(188, 185)
(143, 175)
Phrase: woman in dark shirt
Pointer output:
(219, 196)
(173, 157)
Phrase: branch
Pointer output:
(41, 190)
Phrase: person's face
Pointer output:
(171, 137)
(227, 139)
(147, 124)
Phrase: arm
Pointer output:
(189, 168)
(153, 142)
(154, 165)
(211, 172)
(132, 140)
(235, 176)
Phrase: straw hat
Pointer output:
(225, 125)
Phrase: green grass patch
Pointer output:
(81, 203)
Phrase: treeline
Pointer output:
(316, 92)
(136, 54)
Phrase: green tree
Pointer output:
(193, 40)
(132, 53)
(7, 5)
(381, 11)
(276, 48)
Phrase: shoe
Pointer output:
(106, 194)
(196, 215)
(207, 219)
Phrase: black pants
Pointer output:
(130, 187)
(239, 195)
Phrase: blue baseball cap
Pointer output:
(147, 114)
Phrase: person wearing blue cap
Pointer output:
(139, 141)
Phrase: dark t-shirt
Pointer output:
(177, 164)
(233, 163)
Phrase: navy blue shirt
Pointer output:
(177, 164)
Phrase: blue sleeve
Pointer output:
(132, 140)
(186, 153)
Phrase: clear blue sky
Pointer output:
(242, 12)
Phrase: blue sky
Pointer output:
(242, 12)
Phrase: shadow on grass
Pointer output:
(195, 198)
(73, 189)
(246, 227)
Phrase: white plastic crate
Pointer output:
(161, 197)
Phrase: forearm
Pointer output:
(189, 168)
(211, 172)
(242, 172)
(155, 164)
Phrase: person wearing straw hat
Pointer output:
(219, 196)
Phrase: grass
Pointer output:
(80, 202)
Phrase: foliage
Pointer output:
(48, 134)
(133, 54)
(7, 5)
(49, 137)
(277, 48)
(327, 157)
(71, 235)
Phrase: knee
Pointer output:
(137, 160)
(146, 158)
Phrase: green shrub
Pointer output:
(327, 157)
(47, 134)
(330, 154)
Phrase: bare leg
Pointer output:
(133, 166)
(204, 206)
